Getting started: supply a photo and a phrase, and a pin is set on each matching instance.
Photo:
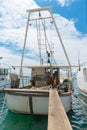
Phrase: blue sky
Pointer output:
(76, 10)
(71, 19)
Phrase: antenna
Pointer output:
(79, 60)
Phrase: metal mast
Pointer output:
(42, 37)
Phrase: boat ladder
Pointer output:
(45, 47)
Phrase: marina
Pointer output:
(44, 84)
(48, 94)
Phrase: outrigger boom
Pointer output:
(40, 9)
(25, 66)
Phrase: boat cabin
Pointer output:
(49, 77)
(42, 76)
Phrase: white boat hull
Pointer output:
(82, 81)
(27, 105)
(67, 102)
(33, 103)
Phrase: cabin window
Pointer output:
(85, 74)
(3, 71)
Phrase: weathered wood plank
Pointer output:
(24, 90)
(57, 118)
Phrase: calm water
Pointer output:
(14, 121)
(77, 117)
(78, 114)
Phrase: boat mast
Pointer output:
(60, 40)
(21, 71)
(39, 10)
(44, 46)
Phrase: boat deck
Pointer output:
(57, 118)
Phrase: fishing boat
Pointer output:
(34, 98)
(82, 79)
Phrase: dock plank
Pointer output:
(57, 118)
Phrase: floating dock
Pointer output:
(57, 118)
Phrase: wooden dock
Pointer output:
(57, 118)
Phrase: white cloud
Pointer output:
(65, 2)
(13, 12)
(74, 40)
(12, 30)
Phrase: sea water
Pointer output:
(13, 121)
(78, 114)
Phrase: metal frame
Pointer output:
(39, 10)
